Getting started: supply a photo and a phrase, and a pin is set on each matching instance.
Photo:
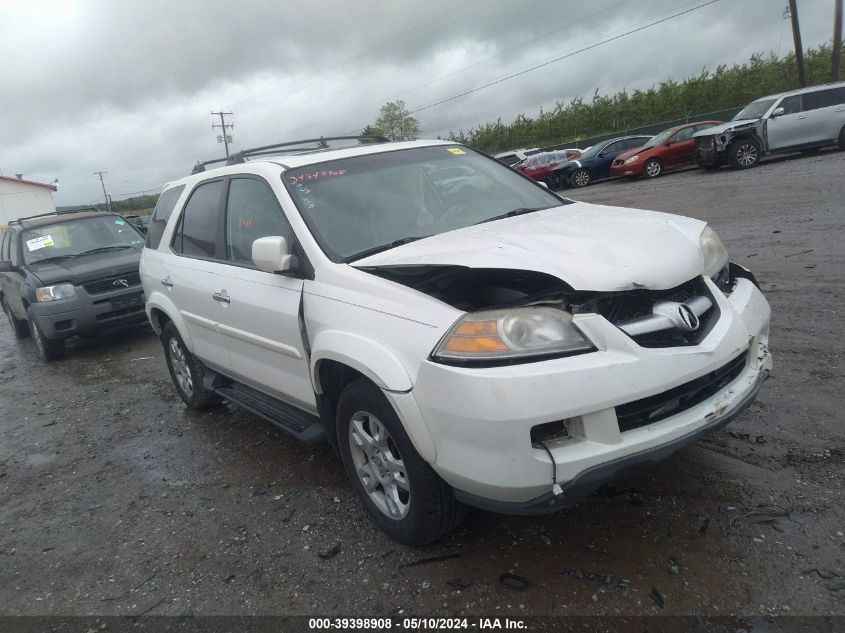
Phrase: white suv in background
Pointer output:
(461, 335)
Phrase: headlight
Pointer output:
(633, 159)
(713, 252)
(515, 333)
(54, 293)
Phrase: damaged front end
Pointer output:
(711, 147)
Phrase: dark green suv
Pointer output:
(64, 274)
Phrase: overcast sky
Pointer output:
(127, 86)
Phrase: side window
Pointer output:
(4, 246)
(13, 248)
(252, 212)
(164, 207)
(824, 98)
(791, 105)
(684, 134)
(613, 148)
(631, 143)
(200, 227)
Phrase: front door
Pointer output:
(789, 128)
(680, 148)
(260, 322)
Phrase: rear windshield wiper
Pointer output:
(382, 247)
(513, 212)
(103, 249)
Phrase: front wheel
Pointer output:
(744, 153)
(400, 491)
(581, 178)
(48, 349)
(186, 370)
(652, 168)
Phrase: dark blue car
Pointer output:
(594, 164)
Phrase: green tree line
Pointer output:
(711, 91)
(138, 203)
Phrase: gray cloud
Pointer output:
(128, 86)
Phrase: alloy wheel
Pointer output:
(653, 169)
(746, 154)
(180, 367)
(379, 465)
(581, 178)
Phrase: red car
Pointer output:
(539, 166)
(671, 149)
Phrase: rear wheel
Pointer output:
(744, 153)
(20, 328)
(653, 168)
(400, 491)
(186, 371)
(48, 349)
(580, 178)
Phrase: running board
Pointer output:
(305, 427)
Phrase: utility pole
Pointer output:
(223, 138)
(837, 40)
(102, 182)
(796, 37)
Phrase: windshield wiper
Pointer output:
(54, 258)
(513, 213)
(382, 247)
(103, 249)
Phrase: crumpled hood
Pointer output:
(80, 270)
(725, 127)
(590, 247)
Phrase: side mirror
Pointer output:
(776, 113)
(6, 266)
(272, 254)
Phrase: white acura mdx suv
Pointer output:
(460, 334)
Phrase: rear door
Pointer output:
(261, 319)
(825, 113)
(790, 128)
(194, 270)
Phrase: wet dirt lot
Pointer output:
(115, 500)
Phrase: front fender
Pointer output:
(158, 300)
(370, 358)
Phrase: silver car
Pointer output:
(801, 120)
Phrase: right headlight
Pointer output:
(512, 334)
(713, 252)
(54, 293)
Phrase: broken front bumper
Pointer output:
(481, 419)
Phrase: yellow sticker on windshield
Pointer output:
(455, 150)
(36, 243)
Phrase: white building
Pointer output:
(21, 198)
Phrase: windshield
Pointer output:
(660, 138)
(754, 110)
(75, 238)
(594, 150)
(357, 204)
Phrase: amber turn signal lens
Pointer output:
(476, 328)
(475, 344)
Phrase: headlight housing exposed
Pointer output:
(633, 159)
(713, 252)
(54, 293)
(512, 334)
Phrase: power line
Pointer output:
(562, 57)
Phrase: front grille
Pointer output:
(639, 413)
(121, 305)
(624, 307)
(110, 284)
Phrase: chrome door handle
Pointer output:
(221, 296)
(167, 282)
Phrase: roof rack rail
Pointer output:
(266, 150)
(57, 212)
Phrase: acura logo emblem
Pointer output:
(680, 314)
(117, 283)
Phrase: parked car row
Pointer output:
(800, 120)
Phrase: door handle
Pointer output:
(167, 282)
(221, 296)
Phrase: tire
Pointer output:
(48, 349)
(842, 138)
(20, 328)
(580, 178)
(406, 498)
(744, 153)
(186, 371)
(653, 168)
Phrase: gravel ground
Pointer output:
(118, 501)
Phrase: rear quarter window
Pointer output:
(164, 208)
(824, 98)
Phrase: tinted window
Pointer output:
(684, 134)
(74, 239)
(200, 227)
(252, 212)
(4, 246)
(824, 98)
(791, 105)
(164, 207)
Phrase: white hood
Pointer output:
(725, 127)
(590, 247)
